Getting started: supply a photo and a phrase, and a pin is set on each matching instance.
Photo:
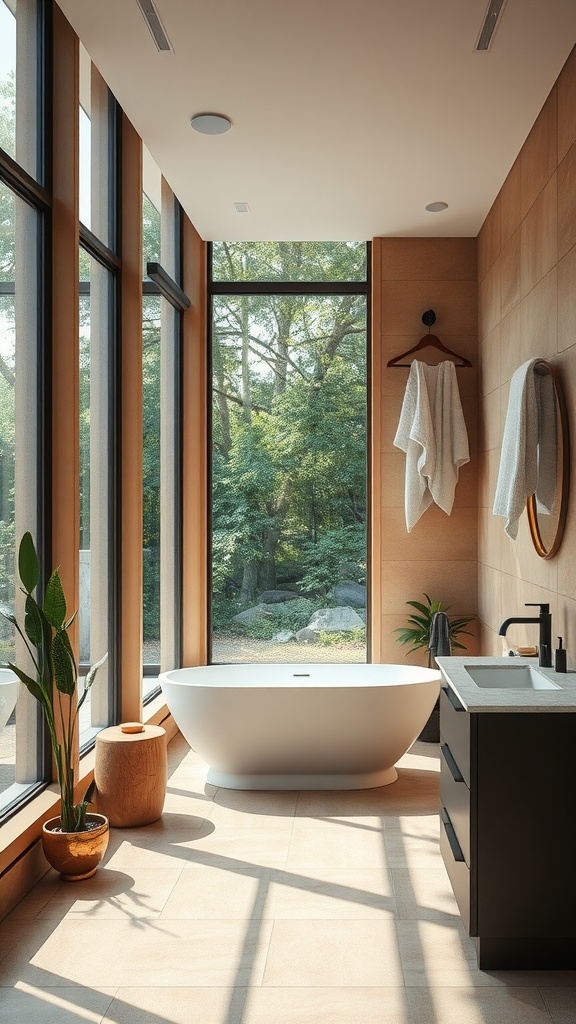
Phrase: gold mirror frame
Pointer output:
(562, 471)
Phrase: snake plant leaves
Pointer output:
(28, 564)
(29, 683)
(64, 663)
(54, 601)
(33, 621)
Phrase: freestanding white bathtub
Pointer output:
(301, 726)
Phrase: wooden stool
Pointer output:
(130, 773)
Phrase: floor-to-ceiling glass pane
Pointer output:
(19, 745)
(18, 77)
(151, 358)
(151, 325)
(288, 261)
(289, 477)
(96, 474)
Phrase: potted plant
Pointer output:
(75, 841)
(417, 633)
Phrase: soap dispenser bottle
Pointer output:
(560, 657)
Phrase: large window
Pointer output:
(22, 205)
(162, 306)
(97, 338)
(289, 452)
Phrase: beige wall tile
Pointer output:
(454, 302)
(488, 467)
(567, 202)
(490, 533)
(489, 361)
(454, 536)
(453, 583)
(519, 558)
(393, 477)
(565, 626)
(510, 344)
(539, 238)
(391, 409)
(490, 422)
(566, 87)
(539, 154)
(489, 243)
(539, 319)
(567, 300)
(429, 259)
(489, 596)
(510, 274)
(489, 301)
(490, 644)
(510, 206)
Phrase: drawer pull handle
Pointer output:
(449, 758)
(453, 699)
(451, 836)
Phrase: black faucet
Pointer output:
(544, 620)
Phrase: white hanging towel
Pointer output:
(433, 434)
(529, 432)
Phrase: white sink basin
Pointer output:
(510, 677)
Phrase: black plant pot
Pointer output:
(431, 731)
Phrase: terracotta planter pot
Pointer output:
(76, 855)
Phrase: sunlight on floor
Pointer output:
(266, 908)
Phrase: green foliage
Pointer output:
(417, 632)
(292, 615)
(337, 552)
(289, 423)
(355, 637)
(45, 634)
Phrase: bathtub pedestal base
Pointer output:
(365, 780)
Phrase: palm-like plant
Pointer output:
(417, 632)
(45, 635)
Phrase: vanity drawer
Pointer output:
(455, 730)
(455, 797)
(458, 870)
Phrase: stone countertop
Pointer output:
(477, 698)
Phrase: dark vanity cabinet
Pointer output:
(508, 831)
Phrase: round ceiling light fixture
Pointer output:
(436, 207)
(211, 124)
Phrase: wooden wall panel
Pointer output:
(130, 525)
(518, 323)
(439, 556)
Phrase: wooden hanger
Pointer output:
(428, 341)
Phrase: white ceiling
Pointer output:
(348, 116)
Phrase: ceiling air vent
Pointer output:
(152, 19)
(491, 20)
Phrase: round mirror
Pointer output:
(548, 506)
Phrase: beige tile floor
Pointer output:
(266, 908)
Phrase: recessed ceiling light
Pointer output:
(242, 207)
(211, 124)
(436, 207)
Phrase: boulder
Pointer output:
(335, 620)
(349, 593)
(250, 615)
(277, 596)
(283, 637)
(307, 636)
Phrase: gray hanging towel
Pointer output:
(439, 643)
